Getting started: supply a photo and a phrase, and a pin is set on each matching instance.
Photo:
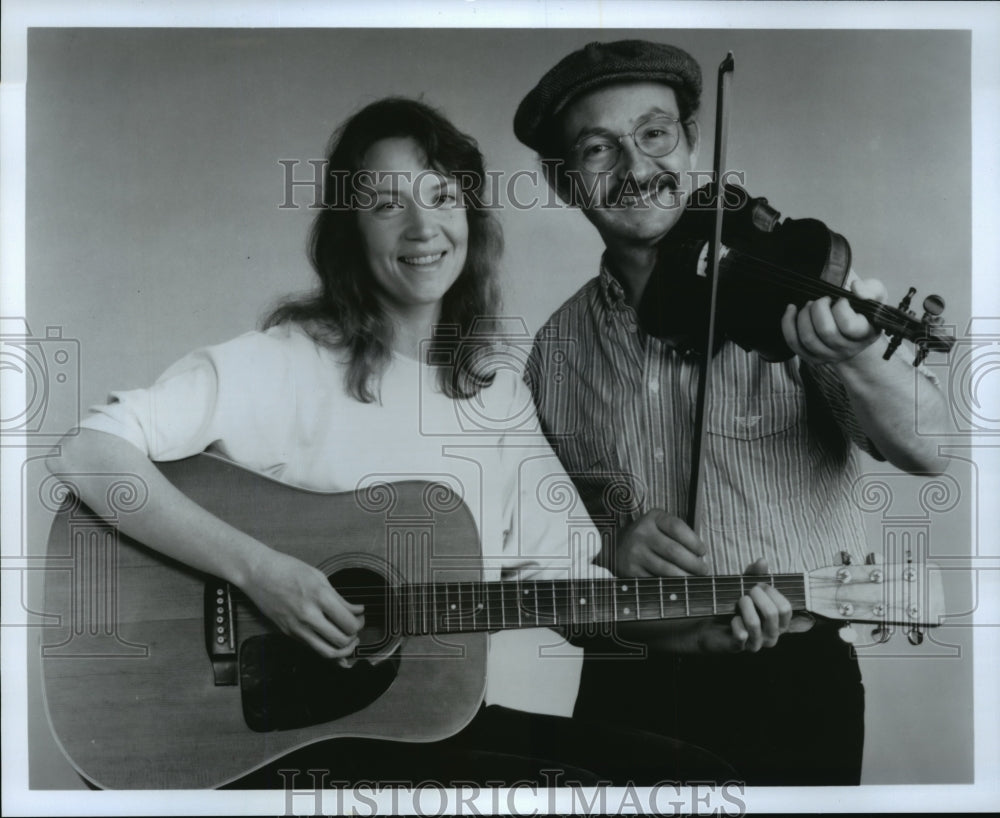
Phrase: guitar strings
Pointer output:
(481, 605)
(572, 588)
(538, 603)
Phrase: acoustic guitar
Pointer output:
(158, 676)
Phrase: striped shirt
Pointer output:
(778, 466)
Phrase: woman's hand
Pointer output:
(299, 599)
(295, 596)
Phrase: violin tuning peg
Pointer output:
(893, 346)
(933, 309)
(897, 339)
(933, 315)
(915, 636)
(905, 303)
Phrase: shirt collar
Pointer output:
(611, 288)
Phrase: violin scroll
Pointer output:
(931, 319)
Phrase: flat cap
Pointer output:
(598, 64)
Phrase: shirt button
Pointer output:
(658, 454)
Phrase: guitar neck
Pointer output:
(461, 607)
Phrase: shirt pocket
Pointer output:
(739, 419)
(757, 462)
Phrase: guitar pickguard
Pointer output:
(285, 685)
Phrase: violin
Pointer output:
(765, 263)
(730, 266)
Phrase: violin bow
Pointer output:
(718, 162)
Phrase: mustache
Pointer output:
(608, 190)
(664, 181)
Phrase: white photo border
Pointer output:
(982, 19)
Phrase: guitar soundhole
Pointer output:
(364, 586)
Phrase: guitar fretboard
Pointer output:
(425, 608)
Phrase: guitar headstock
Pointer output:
(908, 594)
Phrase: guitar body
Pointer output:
(158, 676)
(130, 684)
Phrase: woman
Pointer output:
(376, 376)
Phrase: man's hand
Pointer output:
(658, 545)
(826, 332)
(881, 393)
(763, 615)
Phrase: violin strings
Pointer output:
(890, 317)
(893, 320)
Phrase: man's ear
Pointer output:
(557, 180)
(693, 136)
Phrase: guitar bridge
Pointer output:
(220, 632)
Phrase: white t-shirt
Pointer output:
(276, 402)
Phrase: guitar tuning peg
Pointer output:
(915, 636)
(872, 559)
(848, 634)
(845, 558)
(881, 634)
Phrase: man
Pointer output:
(615, 126)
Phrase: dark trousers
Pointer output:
(501, 747)
(789, 715)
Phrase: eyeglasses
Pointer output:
(655, 137)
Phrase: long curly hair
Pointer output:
(344, 312)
